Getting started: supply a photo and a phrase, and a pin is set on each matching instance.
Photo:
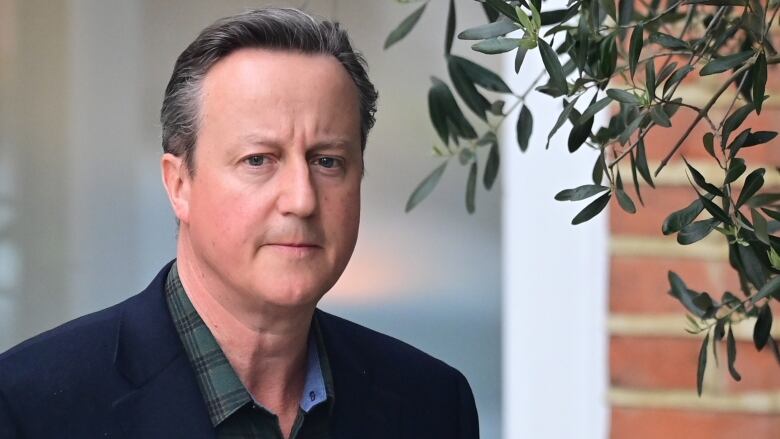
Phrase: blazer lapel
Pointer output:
(164, 400)
(363, 407)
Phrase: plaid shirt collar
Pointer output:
(223, 392)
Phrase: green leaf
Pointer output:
(665, 72)
(579, 133)
(494, 46)
(759, 81)
(731, 352)
(623, 96)
(556, 16)
(525, 125)
(491, 30)
(752, 267)
(592, 209)
(715, 210)
(502, 7)
(696, 231)
(635, 47)
(553, 67)
(465, 156)
(497, 107)
(650, 78)
(736, 169)
(525, 21)
(728, 62)
(759, 137)
(450, 33)
(490, 13)
(399, 32)
(471, 188)
(626, 12)
(702, 364)
(609, 8)
(699, 179)
(733, 122)
(464, 84)
(597, 175)
(625, 201)
(594, 108)
(630, 128)
(737, 143)
(709, 144)
(481, 76)
(659, 116)
(580, 193)
(681, 218)
(683, 294)
(753, 183)
(676, 77)
(760, 226)
(519, 57)
(535, 14)
(668, 41)
(425, 187)
(635, 177)
(717, 335)
(568, 106)
(764, 199)
(716, 2)
(443, 107)
(771, 288)
(775, 215)
(491, 167)
(641, 163)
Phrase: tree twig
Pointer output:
(703, 112)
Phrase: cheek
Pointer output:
(343, 209)
(223, 214)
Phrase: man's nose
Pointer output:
(297, 193)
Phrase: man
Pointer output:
(265, 120)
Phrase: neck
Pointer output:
(265, 344)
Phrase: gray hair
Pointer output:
(271, 28)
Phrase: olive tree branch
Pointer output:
(704, 111)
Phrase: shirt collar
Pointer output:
(223, 392)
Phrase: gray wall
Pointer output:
(84, 222)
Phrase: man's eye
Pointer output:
(255, 160)
(327, 162)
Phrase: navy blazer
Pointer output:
(123, 373)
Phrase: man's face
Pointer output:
(274, 202)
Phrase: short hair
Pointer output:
(270, 28)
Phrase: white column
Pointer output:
(555, 370)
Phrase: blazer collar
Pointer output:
(164, 399)
(363, 407)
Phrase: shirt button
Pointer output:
(312, 395)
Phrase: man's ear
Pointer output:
(177, 179)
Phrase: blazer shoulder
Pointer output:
(62, 348)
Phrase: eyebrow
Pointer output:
(334, 142)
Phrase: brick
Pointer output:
(688, 424)
(653, 362)
(759, 370)
(670, 363)
(640, 284)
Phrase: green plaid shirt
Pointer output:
(233, 411)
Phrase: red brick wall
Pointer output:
(652, 359)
